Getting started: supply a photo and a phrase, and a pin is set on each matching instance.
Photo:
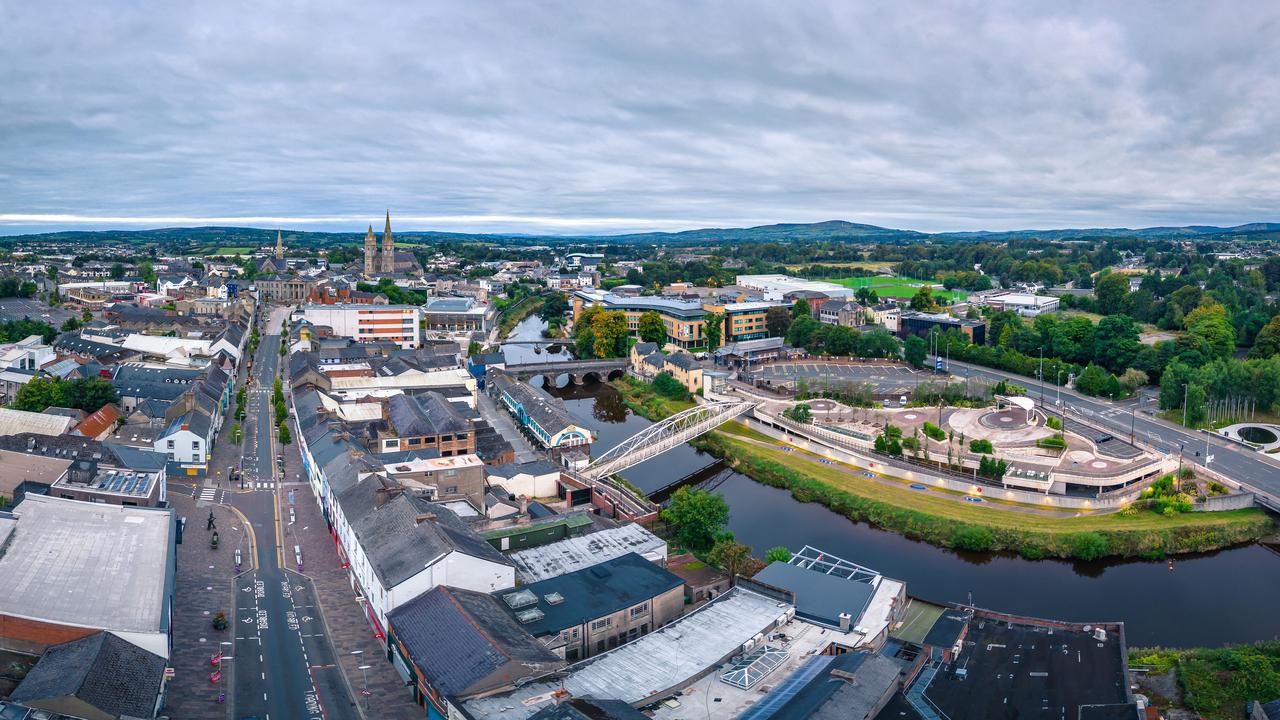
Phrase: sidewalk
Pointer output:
(348, 628)
(203, 588)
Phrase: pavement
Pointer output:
(1251, 469)
(284, 661)
(501, 421)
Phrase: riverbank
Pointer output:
(514, 314)
(943, 521)
(1214, 682)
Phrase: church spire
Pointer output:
(370, 253)
(279, 246)
(388, 248)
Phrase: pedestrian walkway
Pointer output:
(203, 588)
(349, 629)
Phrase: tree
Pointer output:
(866, 296)
(554, 306)
(802, 330)
(88, 394)
(38, 394)
(147, 271)
(800, 309)
(713, 329)
(1110, 293)
(800, 413)
(1211, 325)
(285, 436)
(777, 554)
(666, 385)
(117, 271)
(651, 328)
(1115, 343)
(1098, 382)
(878, 343)
(237, 433)
(915, 350)
(699, 517)
(1195, 410)
(72, 323)
(777, 320)
(923, 299)
(729, 554)
(1267, 343)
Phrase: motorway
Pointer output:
(285, 665)
(1244, 466)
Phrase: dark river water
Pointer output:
(1231, 596)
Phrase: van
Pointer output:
(902, 401)
(888, 403)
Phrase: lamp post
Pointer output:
(1040, 377)
(364, 684)
(222, 694)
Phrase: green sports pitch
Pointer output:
(899, 287)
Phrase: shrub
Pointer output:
(1053, 422)
(981, 446)
(777, 554)
(1054, 442)
(1088, 546)
(667, 386)
(972, 537)
(799, 413)
(934, 431)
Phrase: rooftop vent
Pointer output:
(530, 615)
(520, 599)
(554, 598)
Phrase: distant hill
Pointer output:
(831, 230)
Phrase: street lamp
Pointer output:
(364, 684)
(222, 694)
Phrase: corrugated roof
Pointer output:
(13, 422)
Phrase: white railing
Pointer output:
(662, 436)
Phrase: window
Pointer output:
(639, 610)
(451, 488)
(601, 624)
(170, 445)
(195, 444)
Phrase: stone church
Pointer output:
(386, 260)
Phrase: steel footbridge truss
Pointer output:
(661, 437)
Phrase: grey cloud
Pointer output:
(629, 116)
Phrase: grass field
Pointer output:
(899, 287)
(233, 251)
(860, 264)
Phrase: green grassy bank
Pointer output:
(936, 519)
(1215, 682)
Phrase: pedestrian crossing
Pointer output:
(208, 495)
(264, 486)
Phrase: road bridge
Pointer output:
(579, 371)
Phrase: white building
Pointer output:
(368, 323)
(776, 287)
(1022, 303)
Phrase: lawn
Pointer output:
(233, 251)
(899, 287)
(873, 265)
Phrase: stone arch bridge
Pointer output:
(578, 371)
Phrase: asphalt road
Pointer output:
(1238, 463)
(286, 666)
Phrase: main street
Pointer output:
(1241, 464)
(284, 663)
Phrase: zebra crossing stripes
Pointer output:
(208, 494)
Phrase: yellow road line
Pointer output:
(253, 537)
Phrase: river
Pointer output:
(1230, 596)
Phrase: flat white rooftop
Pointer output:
(663, 661)
(86, 564)
(575, 553)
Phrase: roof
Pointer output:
(21, 467)
(425, 415)
(575, 553)
(99, 422)
(683, 360)
(1119, 711)
(547, 411)
(644, 348)
(532, 467)
(814, 692)
(60, 547)
(464, 642)
(824, 587)
(745, 346)
(587, 594)
(406, 534)
(103, 671)
(13, 422)
(946, 630)
(652, 665)
(589, 709)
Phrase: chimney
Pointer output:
(424, 517)
(186, 426)
(845, 621)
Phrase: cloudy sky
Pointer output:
(622, 116)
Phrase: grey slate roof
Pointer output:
(113, 675)
(589, 709)
(819, 597)
(425, 415)
(595, 592)
(465, 643)
(398, 546)
(814, 694)
(682, 360)
(532, 467)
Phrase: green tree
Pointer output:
(554, 306)
(285, 437)
(800, 309)
(1211, 325)
(665, 384)
(777, 554)
(72, 323)
(651, 328)
(730, 555)
(237, 433)
(866, 296)
(88, 394)
(38, 394)
(777, 320)
(801, 331)
(1195, 410)
(1267, 342)
(117, 271)
(698, 516)
(147, 271)
(1109, 294)
(915, 350)
(923, 300)
(713, 329)
(800, 413)
(1116, 342)
(611, 332)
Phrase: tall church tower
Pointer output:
(370, 253)
(279, 246)
(388, 248)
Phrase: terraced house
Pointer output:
(540, 416)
